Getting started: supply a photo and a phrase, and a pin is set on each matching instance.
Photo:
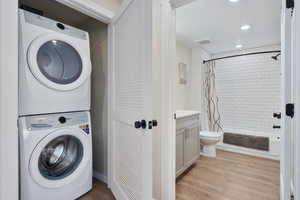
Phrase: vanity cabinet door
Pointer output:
(191, 144)
(195, 147)
(188, 143)
(179, 150)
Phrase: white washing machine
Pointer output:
(55, 156)
(54, 66)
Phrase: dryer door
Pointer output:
(60, 157)
(58, 63)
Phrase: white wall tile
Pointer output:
(249, 91)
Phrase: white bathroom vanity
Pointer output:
(187, 139)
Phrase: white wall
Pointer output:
(8, 100)
(195, 91)
(248, 88)
(184, 55)
(189, 97)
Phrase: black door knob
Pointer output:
(152, 124)
(137, 124)
(277, 115)
(140, 124)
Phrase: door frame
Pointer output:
(168, 74)
(167, 36)
(287, 97)
(9, 100)
(286, 186)
(90, 8)
(179, 3)
(9, 165)
(296, 64)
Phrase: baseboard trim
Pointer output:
(99, 176)
(250, 152)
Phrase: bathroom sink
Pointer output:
(186, 113)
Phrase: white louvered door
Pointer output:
(131, 101)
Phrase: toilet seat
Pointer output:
(208, 134)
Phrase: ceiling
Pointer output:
(220, 20)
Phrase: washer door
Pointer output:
(57, 62)
(60, 157)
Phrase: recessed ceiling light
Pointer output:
(245, 27)
(203, 42)
(238, 46)
(234, 1)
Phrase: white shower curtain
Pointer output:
(211, 100)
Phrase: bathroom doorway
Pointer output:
(228, 99)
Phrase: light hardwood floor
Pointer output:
(230, 176)
(99, 192)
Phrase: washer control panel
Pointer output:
(59, 120)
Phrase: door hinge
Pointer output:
(290, 109)
(290, 4)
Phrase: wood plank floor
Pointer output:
(99, 192)
(230, 176)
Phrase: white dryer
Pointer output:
(55, 156)
(54, 66)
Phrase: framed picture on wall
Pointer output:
(182, 73)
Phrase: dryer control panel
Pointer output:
(56, 26)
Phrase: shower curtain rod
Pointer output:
(245, 54)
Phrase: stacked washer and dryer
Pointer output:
(54, 103)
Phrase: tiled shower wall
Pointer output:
(249, 91)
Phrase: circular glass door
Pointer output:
(60, 157)
(59, 62)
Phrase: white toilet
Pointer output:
(208, 141)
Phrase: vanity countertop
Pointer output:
(186, 113)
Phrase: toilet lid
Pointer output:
(210, 134)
